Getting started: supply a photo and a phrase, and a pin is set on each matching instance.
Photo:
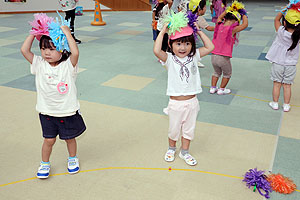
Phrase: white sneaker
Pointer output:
(190, 160)
(43, 171)
(170, 155)
(286, 107)
(73, 165)
(273, 105)
(213, 90)
(200, 65)
(223, 91)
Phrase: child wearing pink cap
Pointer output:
(183, 81)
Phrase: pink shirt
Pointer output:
(223, 40)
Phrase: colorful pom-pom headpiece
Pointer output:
(178, 25)
(292, 12)
(194, 4)
(57, 36)
(40, 25)
(44, 25)
(237, 9)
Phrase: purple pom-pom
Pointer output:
(257, 178)
(192, 19)
(243, 12)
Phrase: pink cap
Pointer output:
(185, 31)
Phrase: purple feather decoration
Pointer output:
(192, 19)
(243, 12)
(257, 178)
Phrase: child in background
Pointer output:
(55, 74)
(69, 7)
(217, 7)
(199, 7)
(183, 82)
(160, 9)
(224, 39)
(284, 54)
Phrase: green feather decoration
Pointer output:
(176, 21)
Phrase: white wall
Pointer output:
(42, 5)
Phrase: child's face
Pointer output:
(182, 49)
(202, 12)
(51, 55)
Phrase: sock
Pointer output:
(222, 89)
(213, 86)
(45, 163)
(184, 151)
(72, 157)
(172, 148)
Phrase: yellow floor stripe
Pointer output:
(136, 168)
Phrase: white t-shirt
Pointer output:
(66, 5)
(56, 89)
(183, 75)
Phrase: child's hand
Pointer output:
(65, 30)
(165, 27)
(197, 26)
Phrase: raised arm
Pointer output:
(26, 48)
(170, 3)
(220, 18)
(160, 54)
(72, 44)
(242, 26)
(208, 45)
(277, 22)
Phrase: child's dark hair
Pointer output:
(224, 2)
(200, 6)
(159, 8)
(230, 16)
(46, 42)
(295, 34)
(190, 39)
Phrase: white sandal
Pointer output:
(170, 155)
(190, 160)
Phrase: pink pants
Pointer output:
(182, 118)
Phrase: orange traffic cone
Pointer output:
(97, 15)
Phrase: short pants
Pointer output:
(283, 73)
(221, 65)
(66, 127)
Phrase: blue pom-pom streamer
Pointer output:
(57, 36)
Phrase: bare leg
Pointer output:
(224, 82)
(47, 148)
(185, 143)
(214, 81)
(172, 143)
(276, 91)
(287, 93)
(72, 147)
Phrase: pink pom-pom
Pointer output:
(40, 25)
